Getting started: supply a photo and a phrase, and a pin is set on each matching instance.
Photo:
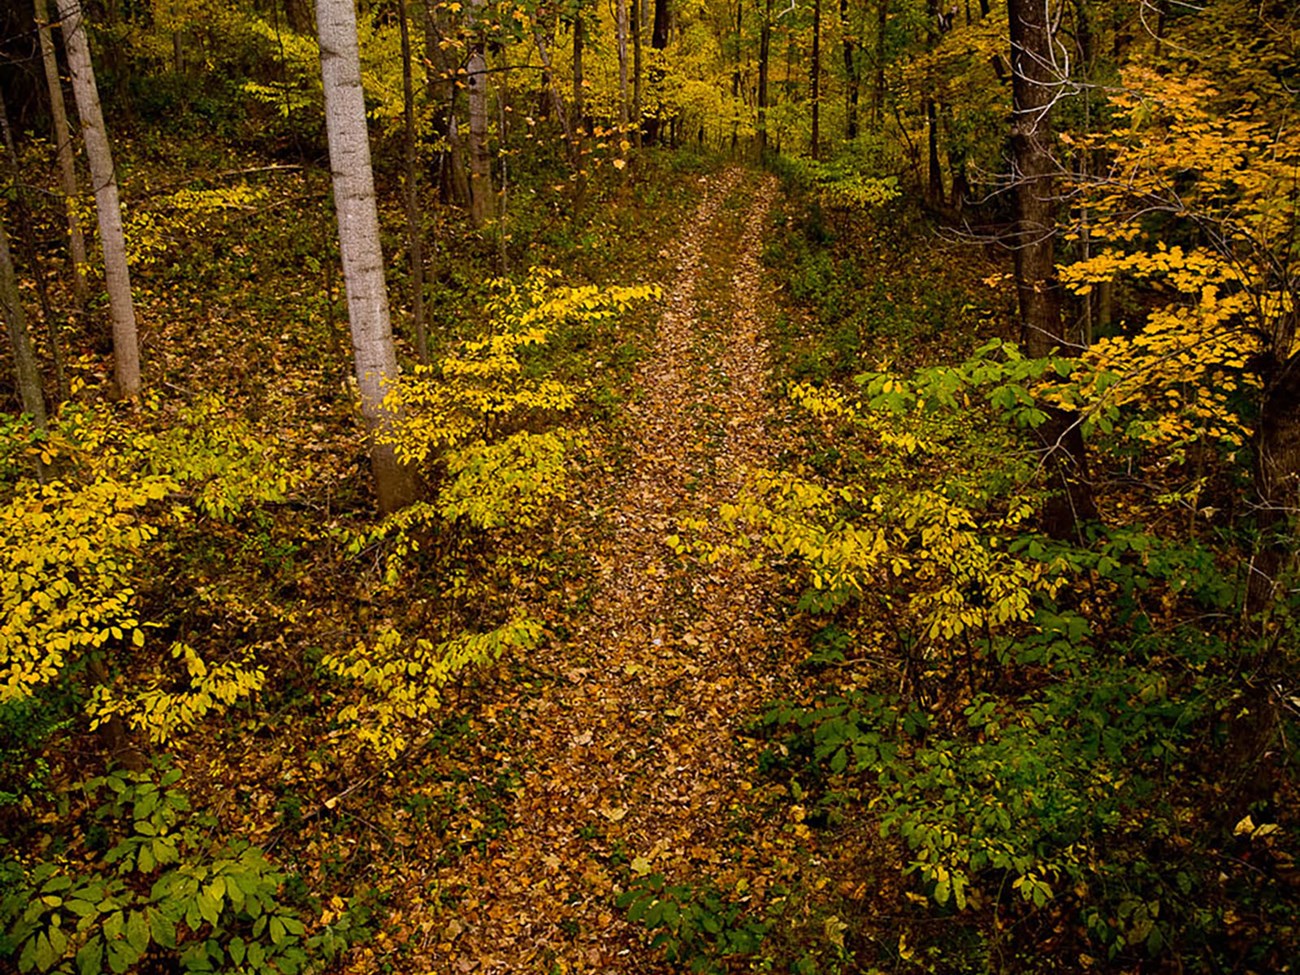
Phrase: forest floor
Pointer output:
(625, 759)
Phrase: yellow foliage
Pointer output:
(70, 550)
(401, 679)
(1227, 178)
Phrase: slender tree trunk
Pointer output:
(878, 90)
(440, 90)
(851, 73)
(414, 243)
(1277, 486)
(30, 391)
(637, 17)
(934, 190)
(816, 79)
(27, 248)
(735, 76)
(63, 143)
(579, 82)
(363, 262)
(1034, 87)
(764, 50)
(620, 28)
(557, 103)
(659, 38)
(482, 200)
(126, 346)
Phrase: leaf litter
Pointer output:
(625, 758)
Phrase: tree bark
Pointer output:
(764, 51)
(1277, 486)
(1035, 86)
(579, 92)
(815, 148)
(659, 37)
(878, 91)
(620, 28)
(27, 247)
(363, 262)
(63, 144)
(30, 392)
(851, 73)
(117, 277)
(636, 71)
(414, 244)
(481, 197)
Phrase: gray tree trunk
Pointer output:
(30, 392)
(414, 243)
(621, 31)
(363, 262)
(63, 142)
(126, 343)
(481, 199)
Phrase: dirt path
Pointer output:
(633, 745)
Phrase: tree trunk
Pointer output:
(579, 92)
(736, 95)
(815, 148)
(851, 74)
(63, 143)
(659, 37)
(934, 190)
(1034, 87)
(481, 197)
(620, 28)
(878, 90)
(764, 50)
(557, 103)
(30, 392)
(637, 17)
(27, 247)
(414, 244)
(126, 347)
(363, 262)
(1277, 486)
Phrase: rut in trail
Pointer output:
(635, 744)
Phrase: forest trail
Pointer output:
(633, 757)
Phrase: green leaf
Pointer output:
(137, 931)
(161, 928)
(120, 957)
(90, 958)
(209, 907)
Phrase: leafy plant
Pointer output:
(158, 888)
(694, 926)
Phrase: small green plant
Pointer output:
(159, 888)
(694, 926)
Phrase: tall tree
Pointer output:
(63, 146)
(764, 50)
(878, 90)
(1036, 83)
(481, 197)
(414, 244)
(363, 262)
(579, 82)
(621, 29)
(30, 393)
(636, 71)
(117, 277)
(816, 78)
(852, 74)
